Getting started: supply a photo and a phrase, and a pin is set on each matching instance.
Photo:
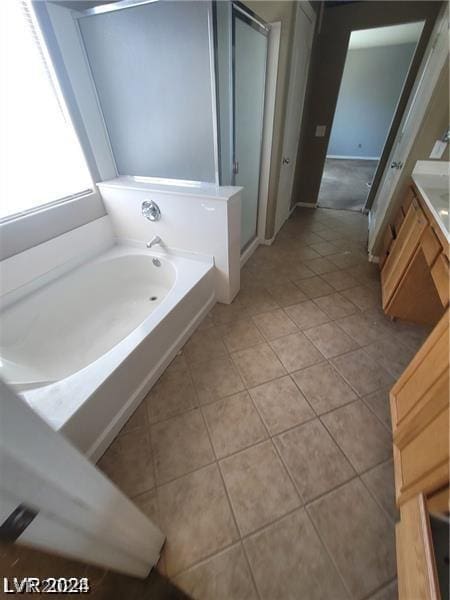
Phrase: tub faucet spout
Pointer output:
(154, 241)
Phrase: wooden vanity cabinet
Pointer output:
(420, 423)
(414, 265)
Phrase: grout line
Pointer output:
(329, 553)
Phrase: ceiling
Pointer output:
(386, 36)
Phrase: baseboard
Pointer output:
(249, 251)
(341, 157)
(306, 205)
(268, 242)
(373, 258)
(100, 445)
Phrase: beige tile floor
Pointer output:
(264, 450)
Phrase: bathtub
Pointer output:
(85, 347)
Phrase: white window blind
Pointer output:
(41, 160)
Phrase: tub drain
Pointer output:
(153, 298)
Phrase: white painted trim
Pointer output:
(273, 50)
(307, 8)
(249, 251)
(294, 108)
(344, 157)
(268, 241)
(373, 258)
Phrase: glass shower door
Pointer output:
(249, 72)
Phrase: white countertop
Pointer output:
(432, 180)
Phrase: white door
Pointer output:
(303, 35)
(433, 62)
(54, 499)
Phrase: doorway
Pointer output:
(376, 68)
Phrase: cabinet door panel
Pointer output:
(402, 250)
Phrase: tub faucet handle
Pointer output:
(150, 210)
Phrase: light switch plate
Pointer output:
(438, 149)
(321, 130)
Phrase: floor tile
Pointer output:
(359, 327)
(204, 345)
(289, 562)
(299, 271)
(330, 339)
(324, 248)
(358, 535)
(380, 482)
(128, 463)
(180, 444)
(323, 387)
(233, 424)
(226, 313)
(257, 301)
(330, 235)
(225, 576)
(196, 518)
(340, 280)
(346, 259)
(257, 364)
(296, 352)
(286, 294)
(306, 314)
(215, 379)
(320, 265)
(363, 374)
(390, 592)
(274, 324)
(336, 306)
(281, 404)
(313, 287)
(390, 354)
(240, 334)
(137, 421)
(172, 394)
(359, 433)
(259, 487)
(315, 462)
(363, 297)
(378, 402)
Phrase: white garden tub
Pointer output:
(86, 347)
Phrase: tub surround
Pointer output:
(203, 219)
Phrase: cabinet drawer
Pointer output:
(402, 250)
(388, 238)
(440, 274)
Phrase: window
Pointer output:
(41, 160)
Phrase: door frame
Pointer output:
(239, 10)
(433, 62)
(294, 108)
(407, 91)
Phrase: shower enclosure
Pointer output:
(181, 90)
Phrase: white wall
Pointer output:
(205, 220)
(370, 89)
